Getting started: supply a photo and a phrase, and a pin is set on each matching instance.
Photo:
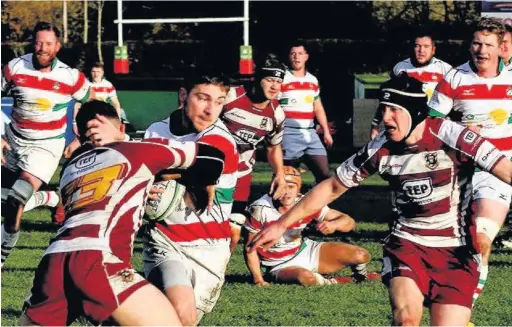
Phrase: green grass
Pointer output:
(241, 303)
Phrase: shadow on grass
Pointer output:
(16, 269)
(11, 313)
(238, 279)
(32, 226)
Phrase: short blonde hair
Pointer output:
(491, 25)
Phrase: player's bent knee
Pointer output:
(406, 317)
(362, 256)
(484, 243)
(306, 278)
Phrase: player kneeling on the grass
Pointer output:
(430, 257)
(186, 252)
(295, 259)
(86, 270)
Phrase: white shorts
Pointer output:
(300, 141)
(167, 263)
(486, 186)
(308, 258)
(37, 157)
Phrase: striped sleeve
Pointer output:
(256, 218)
(111, 92)
(81, 90)
(362, 164)
(472, 146)
(441, 102)
(227, 147)
(6, 77)
(276, 136)
(160, 153)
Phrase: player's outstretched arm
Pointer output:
(252, 261)
(320, 196)
(503, 170)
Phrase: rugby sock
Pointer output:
(484, 270)
(321, 280)
(8, 243)
(359, 271)
(42, 198)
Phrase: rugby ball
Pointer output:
(168, 201)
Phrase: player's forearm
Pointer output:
(116, 105)
(252, 261)
(320, 115)
(344, 223)
(320, 196)
(503, 170)
(275, 159)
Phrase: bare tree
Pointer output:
(86, 22)
(100, 13)
(65, 20)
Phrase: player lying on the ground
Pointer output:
(429, 257)
(86, 270)
(295, 259)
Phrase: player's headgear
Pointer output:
(407, 94)
(271, 67)
(292, 175)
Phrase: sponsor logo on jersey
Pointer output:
(418, 189)
(309, 99)
(42, 104)
(56, 86)
(264, 122)
(499, 116)
(509, 92)
(245, 134)
(86, 161)
(431, 160)
(469, 137)
(468, 92)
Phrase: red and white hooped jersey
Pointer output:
(41, 98)
(104, 90)
(104, 190)
(429, 75)
(263, 213)
(430, 180)
(470, 99)
(184, 226)
(298, 93)
(250, 125)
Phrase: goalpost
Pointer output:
(121, 62)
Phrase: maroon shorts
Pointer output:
(83, 283)
(443, 275)
(243, 188)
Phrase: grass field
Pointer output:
(241, 303)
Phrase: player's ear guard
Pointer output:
(206, 169)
